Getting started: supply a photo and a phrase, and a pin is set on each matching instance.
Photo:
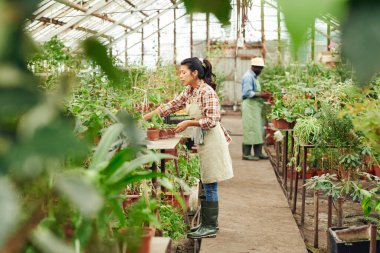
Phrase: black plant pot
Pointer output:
(337, 246)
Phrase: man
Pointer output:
(253, 131)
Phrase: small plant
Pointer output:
(308, 130)
(155, 123)
(172, 222)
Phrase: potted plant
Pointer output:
(138, 233)
(282, 118)
(153, 127)
(307, 130)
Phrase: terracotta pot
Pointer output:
(171, 132)
(281, 124)
(376, 168)
(170, 199)
(320, 172)
(163, 133)
(129, 200)
(153, 134)
(367, 159)
(141, 237)
(269, 136)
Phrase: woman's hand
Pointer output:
(147, 116)
(182, 126)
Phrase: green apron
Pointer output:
(252, 119)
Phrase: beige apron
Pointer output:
(214, 156)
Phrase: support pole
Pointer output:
(328, 35)
(263, 50)
(316, 217)
(279, 50)
(298, 158)
(243, 17)
(313, 41)
(290, 196)
(372, 246)
(340, 212)
(304, 166)
(285, 162)
(142, 45)
(158, 40)
(126, 52)
(191, 35)
(207, 34)
(175, 35)
(329, 220)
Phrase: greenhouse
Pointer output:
(220, 126)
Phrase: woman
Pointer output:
(202, 104)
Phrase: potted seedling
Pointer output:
(153, 128)
(137, 235)
(281, 117)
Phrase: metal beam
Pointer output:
(76, 20)
(134, 6)
(134, 30)
(43, 11)
(156, 31)
(46, 20)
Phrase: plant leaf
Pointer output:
(9, 209)
(47, 242)
(110, 136)
(363, 50)
(128, 167)
(220, 8)
(81, 193)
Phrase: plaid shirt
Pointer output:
(208, 102)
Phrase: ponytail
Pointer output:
(208, 76)
(204, 70)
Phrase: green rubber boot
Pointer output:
(209, 217)
(247, 153)
(258, 149)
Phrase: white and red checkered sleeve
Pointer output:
(176, 104)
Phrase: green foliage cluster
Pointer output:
(172, 222)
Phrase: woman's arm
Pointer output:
(176, 104)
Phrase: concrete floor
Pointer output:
(254, 213)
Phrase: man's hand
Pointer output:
(264, 94)
(181, 126)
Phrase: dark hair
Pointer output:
(204, 69)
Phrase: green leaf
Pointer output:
(220, 8)
(300, 15)
(118, 160)
(101, 153)
(81, 193)
(98, 53)
(130, 179)
(9, 209)
(361, 40)
(47, 242)
(117, 209)
(128, 167)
